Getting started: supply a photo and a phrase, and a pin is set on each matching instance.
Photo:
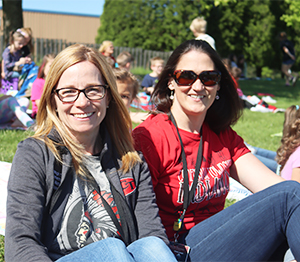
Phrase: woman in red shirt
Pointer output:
(190, 133)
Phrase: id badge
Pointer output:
(180, 251)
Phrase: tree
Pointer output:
(292, 20)
(150, 24)
(246, 27)
(12, 16)
(258, 45)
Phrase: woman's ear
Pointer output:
(171, 84)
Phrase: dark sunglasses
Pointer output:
(187, 78)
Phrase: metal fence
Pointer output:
(45, 46)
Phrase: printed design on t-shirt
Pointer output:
(212, 182)
(96, 220)
(128, 185)
(86, 220)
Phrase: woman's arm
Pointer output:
(253, 174)
(146, 210)
(26, 204)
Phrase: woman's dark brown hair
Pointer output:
(223, 112)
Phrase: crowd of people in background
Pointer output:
(95, 185)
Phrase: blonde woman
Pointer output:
(78, 191)
(107, 49)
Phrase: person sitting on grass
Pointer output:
(124, 60)
(192, 151)
(78, 191)
(149, 80)
(128, 88)
(38, 84)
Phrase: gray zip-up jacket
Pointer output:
(34, 208)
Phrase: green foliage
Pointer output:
(292, 20)
(267, 72)
(260, 24)
(241, 27)
(150, 24)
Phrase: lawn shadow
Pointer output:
(275, 87)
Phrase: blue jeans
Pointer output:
(147, 249)
(267, 157)
(257, 228)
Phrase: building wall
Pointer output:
(69, 27)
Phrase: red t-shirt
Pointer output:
(157, 138)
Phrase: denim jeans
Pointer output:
(257, 228)
(147, 249)
(267, 157)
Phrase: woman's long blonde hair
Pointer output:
(290, 135)
(117, 119)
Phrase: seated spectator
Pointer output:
(78, 191)
(107, 49)
(128, 88)
(124, 60)
(27, 49)
(38, 84)
(198, 27)
(13, 60)
(149, 80)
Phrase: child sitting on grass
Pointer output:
(149, 81)
(12, 57)
(38, 84)
(128, 88)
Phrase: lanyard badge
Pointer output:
(187, 194)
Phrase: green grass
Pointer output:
(9, 140)
(256, 128)
(1, 248)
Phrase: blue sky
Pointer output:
(85, 7)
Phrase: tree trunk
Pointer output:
(258, 71)
(12, 17)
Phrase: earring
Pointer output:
(217, 96)
(172, 95)
(107, 107)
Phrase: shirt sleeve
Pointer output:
(25, 205)
(146, 210)
(234, 143)
(9, 63)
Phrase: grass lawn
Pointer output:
(256, 128)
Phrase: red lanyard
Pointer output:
(187, 194)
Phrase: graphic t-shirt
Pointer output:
(157, 138)
(85, 220)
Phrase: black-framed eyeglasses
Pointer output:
(187, 78)
(70, 94)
